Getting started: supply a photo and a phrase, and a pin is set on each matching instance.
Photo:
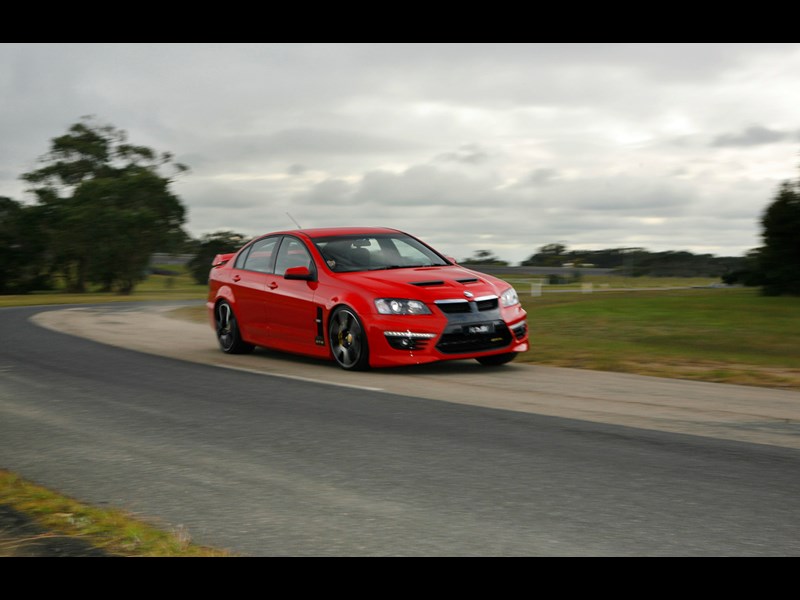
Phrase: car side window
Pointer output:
(261, 257)
(292, 253)
(239, 264)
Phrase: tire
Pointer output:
(348, 340)
(228, 335)
(495, 360)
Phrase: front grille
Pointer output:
(452, 307)
(487, 304)
(461, 342)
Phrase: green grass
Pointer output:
(115, 531)
(724, 335)
(155, 287)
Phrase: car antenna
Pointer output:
(295, 222)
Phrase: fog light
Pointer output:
(407, 340)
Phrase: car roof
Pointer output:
(337, 231)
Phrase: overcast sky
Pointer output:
(482, 146)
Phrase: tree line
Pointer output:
(637, 262)
(104, 206)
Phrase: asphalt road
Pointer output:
(263, 465)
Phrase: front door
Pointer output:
(291, 312)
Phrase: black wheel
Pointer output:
(348, 340)
(496, 359)
(230, 340)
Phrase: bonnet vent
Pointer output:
(427, 283)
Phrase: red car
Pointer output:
(365, 297)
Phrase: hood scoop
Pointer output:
(436, 282)
(427, 283)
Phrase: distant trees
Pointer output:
(208, 247)
(22, 248)
(549, 255)
(748, 271)
(779, 257)
(775, 266)
(484, 257)
(636, 261)
(103, 207)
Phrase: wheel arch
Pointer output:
(224, 293)
(362, 363)
(355, 302)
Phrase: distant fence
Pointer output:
(170, 259)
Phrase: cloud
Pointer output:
(539, 177)
(470, 154)
(328, 194)
(755, 135)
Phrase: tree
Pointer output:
(746, 271)
(106, 206)
(549, 255)
(484, 257)
(23, 264)
(210, 245)
(780, 255)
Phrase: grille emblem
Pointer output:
(469, 294)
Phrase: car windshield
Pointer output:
(348, 253)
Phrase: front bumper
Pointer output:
(418, 339)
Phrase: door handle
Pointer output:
(236, 277)
(273, 285)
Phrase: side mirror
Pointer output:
(298, 273)
(451, 260)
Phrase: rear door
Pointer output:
(252, 273)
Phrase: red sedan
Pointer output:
(365, 297)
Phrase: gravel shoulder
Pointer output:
(733, 412)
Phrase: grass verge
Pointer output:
(114, 531)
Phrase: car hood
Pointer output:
(427, 283)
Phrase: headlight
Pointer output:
(400, 306)
(509, 297)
